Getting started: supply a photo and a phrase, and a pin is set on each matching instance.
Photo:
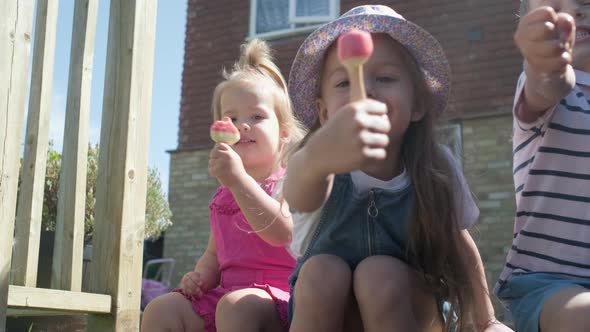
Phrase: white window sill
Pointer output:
(284, 33)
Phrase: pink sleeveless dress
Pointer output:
(245, 260)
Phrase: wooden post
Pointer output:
(66, 272)
(15, 48)
(30, 207)
(122, 169)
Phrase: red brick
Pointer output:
(478, 66)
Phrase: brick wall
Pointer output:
(487, 151)
(191, 189)
(477, 37)
(214, 32)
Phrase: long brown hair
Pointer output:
(434, 230)
(433, 247)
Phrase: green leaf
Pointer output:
(157, 215)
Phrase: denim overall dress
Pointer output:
(354, 228)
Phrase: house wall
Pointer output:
(191, 189)
(477, 37)
(487, 164)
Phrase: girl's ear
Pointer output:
(284, 136)
(322, 110)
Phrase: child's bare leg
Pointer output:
(171, 312)
(352, 317)
(321, 294)
(392, 296)
(567, 310)
(249, 309)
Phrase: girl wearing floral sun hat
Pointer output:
(381, 210)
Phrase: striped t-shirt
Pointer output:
(552, 181)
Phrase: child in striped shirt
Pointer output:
(546, 279)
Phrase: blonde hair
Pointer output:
(254, 66)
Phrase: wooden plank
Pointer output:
(122, 178)
(30, 207)
(38, 313)
(15, 45)
(66, 272)
(53, 300)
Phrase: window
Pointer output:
(279, 18)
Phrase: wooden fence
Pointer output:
(112, 301)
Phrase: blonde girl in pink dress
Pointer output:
(240, 283)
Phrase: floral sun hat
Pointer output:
(304, 75)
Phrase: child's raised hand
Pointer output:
(225, 164)
(546, 40)
(352, 136)
(195, 283)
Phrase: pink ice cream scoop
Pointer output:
(224, 131)
(354, 49)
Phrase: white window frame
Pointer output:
(312, 19)
(315, 21)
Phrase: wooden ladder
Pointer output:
(112, 301)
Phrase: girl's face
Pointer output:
(580, 11)
(251, 108)
(386, 80)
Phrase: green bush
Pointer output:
(157, 211)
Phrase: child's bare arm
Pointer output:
(206, 273)
(545, 39)
(208, 261)
(305, 189)
(482, 314)
(264, 214)
(354, 136)
(268, 217)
